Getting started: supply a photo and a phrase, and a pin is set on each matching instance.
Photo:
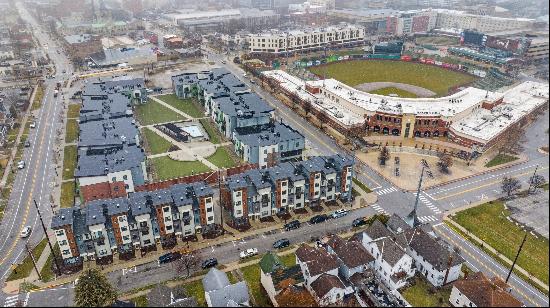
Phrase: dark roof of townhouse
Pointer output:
(391, 252)
(152, 198)
(104, 86)
(245, 105)
(270, 262)
(63, 217)
(397, 225)
(237, 181)
(352, 253)
(138, 204)
(202, 189)
(259, 178)
(95, 107)
(432, 251)
(342, 160)
(92, 163)
(185, 78)
(182, 194)
(322, 285)
(117, 206)
(317, 164)
(286, 277)
(94, 213)
(272, 135)
(484, 292)
(377, 230)
(107, 132)
(318, 260)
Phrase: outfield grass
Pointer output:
(196, 289)
(500, 159)
(393, 90)
(24, 269)
(69, 161)
(221, 158)
(71, 133)
(74, 111)
(167, 168)
(420, 294)
(361, 185)
(251, 275)
(356, 72)
(488, 222)
(67, 194)
(154, 113)
(212, 132)
(187, 106)
(155, 143)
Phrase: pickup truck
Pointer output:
(249, 253)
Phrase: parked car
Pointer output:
(318, 219)
(295, 224)
(169, 257)
(33, 125)
(208, 263)
(21, 164)
(224, 62)
(357, 222)
(26, 231)
(249, 253)
(27, 144)
(282, 243)
(339, 213)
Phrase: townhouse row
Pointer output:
(241, 116)
(139, 222)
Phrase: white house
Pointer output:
(477, 290)
(352, 256)
(315, 262)
(328, 290)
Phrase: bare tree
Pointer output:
(445, 162)
(535, 182)
(510, 186)
(187, 262)
(383, 156)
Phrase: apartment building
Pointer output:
(280, 42)
(288, 186)
(537, 50)
(483, 23)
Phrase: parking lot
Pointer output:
(532, 211)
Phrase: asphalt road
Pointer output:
(34, 182)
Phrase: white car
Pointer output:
(26, 232)
(249, 253)
(33, 125)
(21, 164)
(339, 213)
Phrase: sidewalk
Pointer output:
(486, 246)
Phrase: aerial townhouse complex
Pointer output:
(241, 116)
(137, 222)
(474, 119)
(281, 42)
(288, 186)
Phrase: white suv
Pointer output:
(249, 253)
(21, 164)
(26, 232)
(339, 213)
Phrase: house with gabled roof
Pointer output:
(352, 256)
(219, 292)
(477, 290)
(275, 276)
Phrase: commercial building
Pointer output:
(288, 186)
(374, 20)
(483, 23)
(472, 118)
(82, 46)
(281, 42)
(410, 22)
(537, 50)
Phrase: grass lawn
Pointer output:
(167, 168)
(71, 134)
(140, 301)
(221, 158)
(251, 275)
(500, 159)
(37, 103)
(196, 289)
(187, 106)
(69, 162)
(288, 260)
(232, 278)
(67, 194)
(488, 222)
(361, 185)
(46, 271)
(211, 130)
(421, 294)
(394, 90)
(74, 111)
(24, 269)
(153, 113)
(430, 77)
(155, 143)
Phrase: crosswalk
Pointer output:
(11, 301)
(426, 219)
(429, 204)
(379, 209)
(386, 191)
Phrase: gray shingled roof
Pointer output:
(63, 217)
(377, 230)
(433, 251)
(214, 280)
(396, 224)
(230, 296)
(276, 134)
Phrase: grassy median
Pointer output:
(24, 269)
(69, 161)
(500, 159)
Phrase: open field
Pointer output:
(74, 111)
(154, 113)
(489, 223)
(356, 72)
(211, 130)
(394, 90)
(167, 168)
(187, 106)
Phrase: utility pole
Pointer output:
(33, 260)
(517, 255)
(449, 263)
(531, 179)
(220, 193)
(47, 238)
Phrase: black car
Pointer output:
(282, 243)
(209, 263)
(169, 257)
(295, 224)
(357, 222)
(318, 219)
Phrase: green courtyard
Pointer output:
(154, 113)
(356, 72)
(489, 223)
(155, 144)
(166, 168)
(188, 106)
(222, 158)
